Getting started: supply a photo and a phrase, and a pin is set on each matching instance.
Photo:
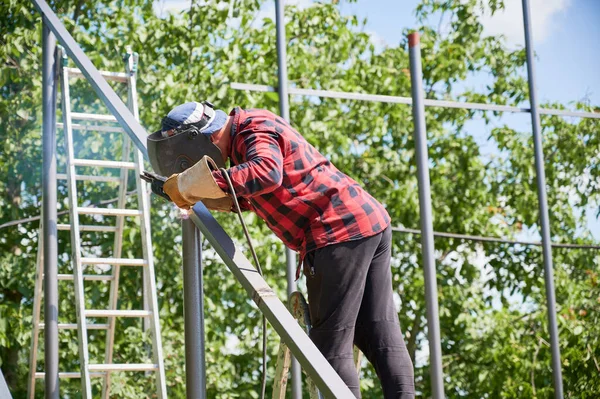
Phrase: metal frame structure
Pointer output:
(419, 104)
(280, 318)
(79, 260)
(275, 311)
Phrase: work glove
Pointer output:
(197, 184)
(224, 204)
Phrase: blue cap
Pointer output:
(192, 112)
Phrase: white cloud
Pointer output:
(545, 16)
(268, 10)
(378, 40)
(164, 7)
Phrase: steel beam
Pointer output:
(193, 308)
(543, 208)
(380, 98)
(310, 358)
(49, 222)
(4, 392)
(132, 127)
(428, 246)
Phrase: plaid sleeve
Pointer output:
(259, 160)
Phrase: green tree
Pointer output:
(492, 306)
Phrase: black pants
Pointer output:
(350, 301)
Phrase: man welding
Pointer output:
(342, 233)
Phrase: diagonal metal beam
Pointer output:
(132, 127)
(311, 359)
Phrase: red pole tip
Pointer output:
(413, 39)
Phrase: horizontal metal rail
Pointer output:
(70, 374)
(108, 211)
(107, 179)
(114, 261)
(86, 227)
(112, 76)
(408, 101)
(73, 326)
(104, 163)
(117, 313)
(494, 239)
(87, 277)
(94, 128)
(92, 117)
(123, 367)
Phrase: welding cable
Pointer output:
(264, 320)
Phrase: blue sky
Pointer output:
(566, 35)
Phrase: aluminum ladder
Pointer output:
(78, 261)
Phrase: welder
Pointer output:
(341, 232)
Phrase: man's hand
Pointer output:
(224, 204)
(196, 184)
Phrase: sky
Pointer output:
(566, 34)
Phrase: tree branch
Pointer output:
(77, 11)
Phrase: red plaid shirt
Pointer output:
(302, 197)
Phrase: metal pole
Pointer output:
(431, 298)
(284, 111)
(49, 222)
(195, 368)
(543, 206)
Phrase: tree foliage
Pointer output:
(492, 296)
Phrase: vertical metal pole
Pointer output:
(195, 367)
(543, 206)
(49, 212)
(284, 111)
(431, 298)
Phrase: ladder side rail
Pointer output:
(37, 305)
(132, 104)
(86, 390)
(150, 290)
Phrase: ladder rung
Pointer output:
(108, 211)
(94, 128)
(117, 313)
(88, 277)
(115, 76)
(73, 326)
(87, 227)
(72, 374)
(123, 367)
(114, 261)
(110, 179)
(93, 117)
(104, 164)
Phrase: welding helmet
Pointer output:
(184, 138)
